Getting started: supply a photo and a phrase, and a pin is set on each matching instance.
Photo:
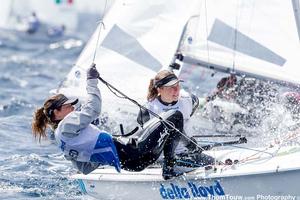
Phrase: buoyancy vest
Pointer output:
(90, 145)
(184, 105)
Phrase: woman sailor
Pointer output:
(164, 94)
(88, 147)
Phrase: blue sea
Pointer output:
(28, 70)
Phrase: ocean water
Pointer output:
(28, 70)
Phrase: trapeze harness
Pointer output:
(91, 145)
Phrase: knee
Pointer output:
(176, 114)
(175, 118)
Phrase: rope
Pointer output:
(279, 143)
(168, 124)
(119, 94)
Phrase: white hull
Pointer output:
(260, 175)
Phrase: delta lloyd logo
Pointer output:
(192, 190)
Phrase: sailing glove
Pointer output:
(92, 72)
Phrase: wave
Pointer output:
(28, 176)
(15, 107)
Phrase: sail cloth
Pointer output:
(4, 12)
(256, 38)
(138, 39)
(296, 7)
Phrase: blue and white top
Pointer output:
(83, 143)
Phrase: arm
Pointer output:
(78, 120)
(92, 108)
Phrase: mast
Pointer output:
(177, 56)
(296, 9)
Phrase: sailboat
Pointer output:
(16, 16)
(137, 38)
(64, 16)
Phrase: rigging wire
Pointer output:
(240, 147)
(60, 85)
(207, 44)
(235, 34)
(101, 23)
(206, 29)
(169, 125)
(123, 96)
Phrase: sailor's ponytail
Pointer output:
(44, 117)
(152, 91)
(39, 124)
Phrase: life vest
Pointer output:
(184, 105)
(90, 145)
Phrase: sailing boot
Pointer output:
(193, 147)
(169, 170)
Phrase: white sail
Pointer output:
(4, 12)
(296, 6)
(257, 38)
(139, 38)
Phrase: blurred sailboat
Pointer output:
(55, 19)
